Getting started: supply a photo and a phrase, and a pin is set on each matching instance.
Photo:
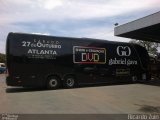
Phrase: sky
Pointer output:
(71, 18)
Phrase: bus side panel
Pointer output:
(32, 58)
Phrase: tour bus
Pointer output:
(53, 62)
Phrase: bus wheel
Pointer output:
(53, 82)
(134, 79)
(69, 81)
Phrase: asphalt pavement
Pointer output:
(98, 99)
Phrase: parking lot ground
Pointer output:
(107, 99)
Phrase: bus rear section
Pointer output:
(37, 60)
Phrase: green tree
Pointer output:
(151, 47)
(2, 58)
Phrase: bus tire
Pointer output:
(69, 81)
(53, 82)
